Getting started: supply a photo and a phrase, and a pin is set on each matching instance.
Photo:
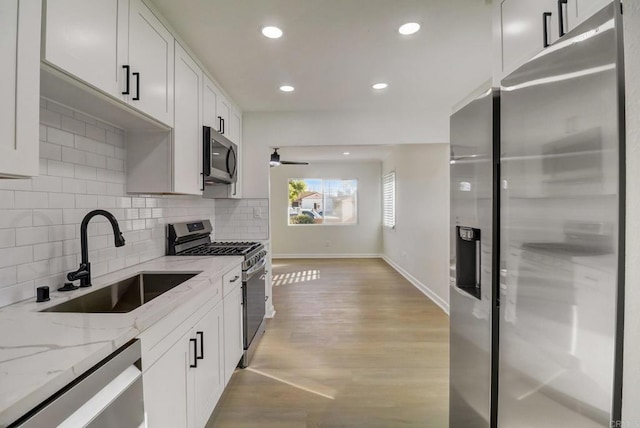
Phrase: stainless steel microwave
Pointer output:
(220, 158)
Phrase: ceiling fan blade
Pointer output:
(293, 163)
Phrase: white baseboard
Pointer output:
(419, 285)
(327, 256)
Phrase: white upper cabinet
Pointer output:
(210, 95)
(527, 28)
(224, 115)
(151, 51)
(187, 133)
(580, 10)
(88, 39)
(20, 22)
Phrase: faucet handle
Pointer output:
(82, 272)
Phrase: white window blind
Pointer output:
(389, 200)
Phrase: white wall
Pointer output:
(631, 376)
(419, 244)
(362, 239)
(261, 131)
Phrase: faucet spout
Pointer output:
(84, 272)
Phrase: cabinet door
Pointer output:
(209, 103)
(580, 10)
(224, 115)
(187, 132)
(235, 190)
(523, 30)
(167, 389)
(83, 38)
(232, 332)
(19, 86)
(151, 50)
(208, 377)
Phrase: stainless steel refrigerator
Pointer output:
(536, 333)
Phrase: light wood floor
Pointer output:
(353, 344)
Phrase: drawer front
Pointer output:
(231, 280)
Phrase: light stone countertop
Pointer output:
(41, 352)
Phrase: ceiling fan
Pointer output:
(275, 160)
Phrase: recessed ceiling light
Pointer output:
(272, 32)
(346, 153)
(409, 28)
(287, 88)
(379, 85)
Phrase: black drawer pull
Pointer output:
(194, 342)
(127, 81)
(201, 335)
(545, 29)
(561, 17)
(137, 76)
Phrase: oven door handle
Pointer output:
(251, 272)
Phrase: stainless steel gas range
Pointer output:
(194, 239)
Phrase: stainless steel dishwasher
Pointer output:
(109, 395)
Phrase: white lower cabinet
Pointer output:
(187, 356)
(166, 387)
(233, 345)
(183, 386)
(207, 376)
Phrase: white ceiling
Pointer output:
(313, 154)
(333, 50)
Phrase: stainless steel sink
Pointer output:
(124, 296)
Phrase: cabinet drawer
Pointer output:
(157, 339)
(231, 280)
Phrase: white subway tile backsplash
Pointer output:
(60, 137)
(32, 235)
(72, 125)
(47, 217)
(62, 200)
(7, 238)
(47, 183)
(85, 172)
(15, 218)
(96, 133)
(15, 256)
(31, 199)
(72, 185)
(83, 164)
(60, 169)
(47, 251)
(7, 199)
(50, 151)
(83, 143)
(73, 156)
(50, 118)
(86, 201)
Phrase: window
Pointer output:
(322, 201)
(389, 200)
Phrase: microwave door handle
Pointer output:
(206, 155)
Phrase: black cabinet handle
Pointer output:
(194, 342)
(201, 335)
(128, 80)
(223, 127)
(545, 29)
(561, 17)
(220, 124)
(235, 279)
(137, 97)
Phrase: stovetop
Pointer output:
(222, 249)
